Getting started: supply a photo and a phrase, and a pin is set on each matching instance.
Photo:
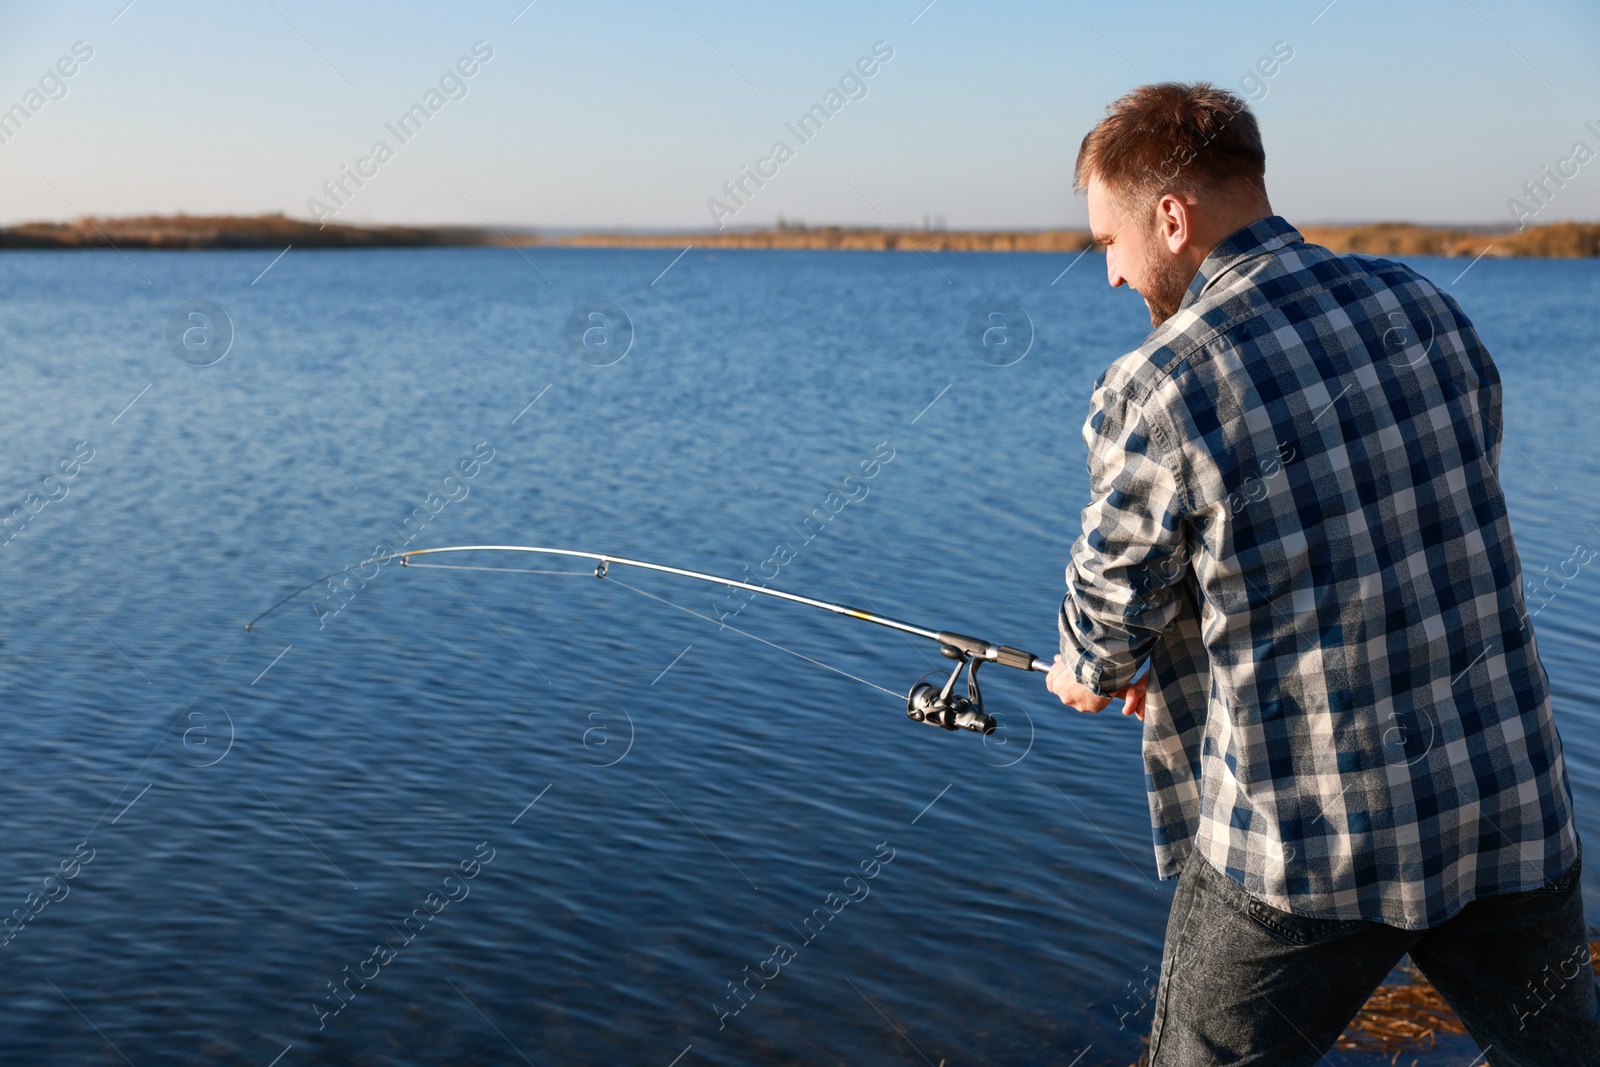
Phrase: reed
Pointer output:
(1403, 1015)
(1394, 239)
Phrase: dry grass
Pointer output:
(229, 231)
(1399, 239)
(846, 239)
(1561, 240)
(1400, 1017)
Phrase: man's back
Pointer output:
(1353, 719)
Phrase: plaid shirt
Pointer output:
(1296, 517)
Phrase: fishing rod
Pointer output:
(937, 704)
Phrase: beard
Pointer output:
(1166, 284)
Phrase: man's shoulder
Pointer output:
(1135, 374)
(1296, 274)
(1297, 281)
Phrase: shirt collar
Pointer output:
(1261, 236)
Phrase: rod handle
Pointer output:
(1004, 655)
(1007, 656)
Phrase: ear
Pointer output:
(1174, 226)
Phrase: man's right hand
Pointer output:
(1061, 682)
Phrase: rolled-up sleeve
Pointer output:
(1126, 564)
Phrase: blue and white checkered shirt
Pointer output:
(1296, 517)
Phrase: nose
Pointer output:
(1114, 274)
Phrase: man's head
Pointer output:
(1169, 172)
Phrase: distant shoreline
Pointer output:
(197, 233)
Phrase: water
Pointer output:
(264, 809)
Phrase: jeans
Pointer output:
(1243, 983)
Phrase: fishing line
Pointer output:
(753, 637)
(939, 705)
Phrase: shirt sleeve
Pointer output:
(1125, 566)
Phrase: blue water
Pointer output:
(663, 801)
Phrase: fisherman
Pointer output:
(1296, 521)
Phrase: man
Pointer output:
(1296, 520)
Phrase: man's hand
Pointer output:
(1133, 697)
(1061, 682)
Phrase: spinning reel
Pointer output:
(940, 706)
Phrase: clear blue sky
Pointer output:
(634, 112)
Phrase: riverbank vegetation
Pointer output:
(1401, 239)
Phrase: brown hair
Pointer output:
(1172, 137)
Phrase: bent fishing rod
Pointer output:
(936, 704)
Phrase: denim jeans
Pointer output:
(1243, 983)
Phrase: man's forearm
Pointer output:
(1100, 646)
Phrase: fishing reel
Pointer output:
(940, 706)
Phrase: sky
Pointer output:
(634, 113)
